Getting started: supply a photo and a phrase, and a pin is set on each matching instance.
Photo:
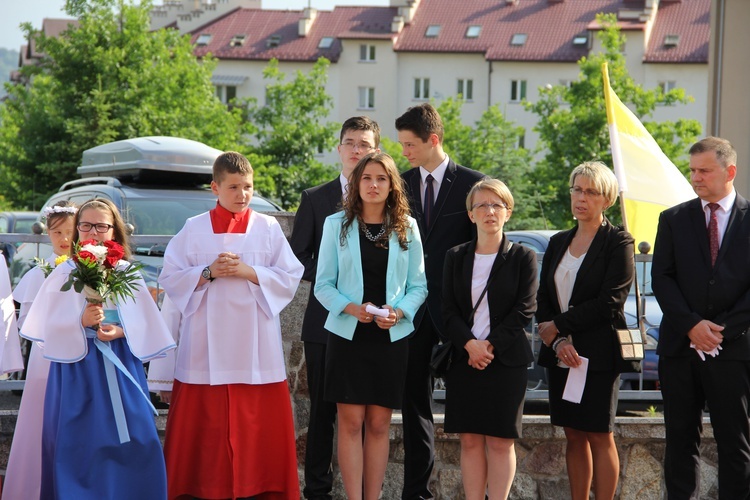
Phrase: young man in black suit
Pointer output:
(701, 278)
(359, 136)
(442, 226)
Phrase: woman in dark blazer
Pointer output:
(486, 384)
(586, 274)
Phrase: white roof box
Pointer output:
(148, 158)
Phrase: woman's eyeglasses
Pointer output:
(587, 193)
(485, 207)
(85, 227)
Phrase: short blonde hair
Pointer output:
(601, 176)
(495, 186)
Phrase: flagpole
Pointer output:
(614, 142)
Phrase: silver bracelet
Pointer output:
(557, 342)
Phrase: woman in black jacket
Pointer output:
(486, 384)
(586, 274)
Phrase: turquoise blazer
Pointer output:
(339, 277)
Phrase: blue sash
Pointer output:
(112, 363)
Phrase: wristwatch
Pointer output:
(206, 274)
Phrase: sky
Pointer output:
(15, 12)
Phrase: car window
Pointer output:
(24, 225)
(164, 216)
(3, 224)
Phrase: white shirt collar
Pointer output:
(437, 174)
(725, 203)
(344, 183)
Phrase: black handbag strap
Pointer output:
(486, 286)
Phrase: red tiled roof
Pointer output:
(259, 25)
(51, 28)
(550, 27)
(690, 21)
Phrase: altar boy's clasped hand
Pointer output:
(226, 264)
(229, 264)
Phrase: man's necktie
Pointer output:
(713, 232)
(429, 200)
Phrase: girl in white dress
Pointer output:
(23, 476)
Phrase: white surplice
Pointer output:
(10, 345)
(55, 321)
(229, 329)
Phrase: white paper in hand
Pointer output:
(383, 313)
(576, 382)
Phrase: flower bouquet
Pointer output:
(46, 267)
(96, 274)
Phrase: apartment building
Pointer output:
(385, 59)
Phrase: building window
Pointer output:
(367, 53)
(566, 83)
(366, 97)
(666, 86)
(517, 90)
(421, 88)
(466, 88)
(671, 40)
(273, 41)
(237, 41)
(326, 42)
(226, 93)
(519, 39)
(203, 39)
(433, 31)
(473, 31)
(581, 40)
(522, 140)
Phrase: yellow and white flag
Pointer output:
(649, 181)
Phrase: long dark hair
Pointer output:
(120, 234)
(396, 205)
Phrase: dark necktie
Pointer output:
(429, 200)
(713, 232)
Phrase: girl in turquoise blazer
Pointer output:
(370, 255)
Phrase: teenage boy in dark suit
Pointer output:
(437, 189)
(359, 136)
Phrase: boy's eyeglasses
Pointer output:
(361, 146)
(85, 227)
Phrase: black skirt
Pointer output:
(598, 407)
(488, 402)
(369, 369)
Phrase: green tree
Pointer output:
(491, 146)
(287, 132)
(572, 122)
(107, 79)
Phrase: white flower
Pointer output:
(100, 251)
